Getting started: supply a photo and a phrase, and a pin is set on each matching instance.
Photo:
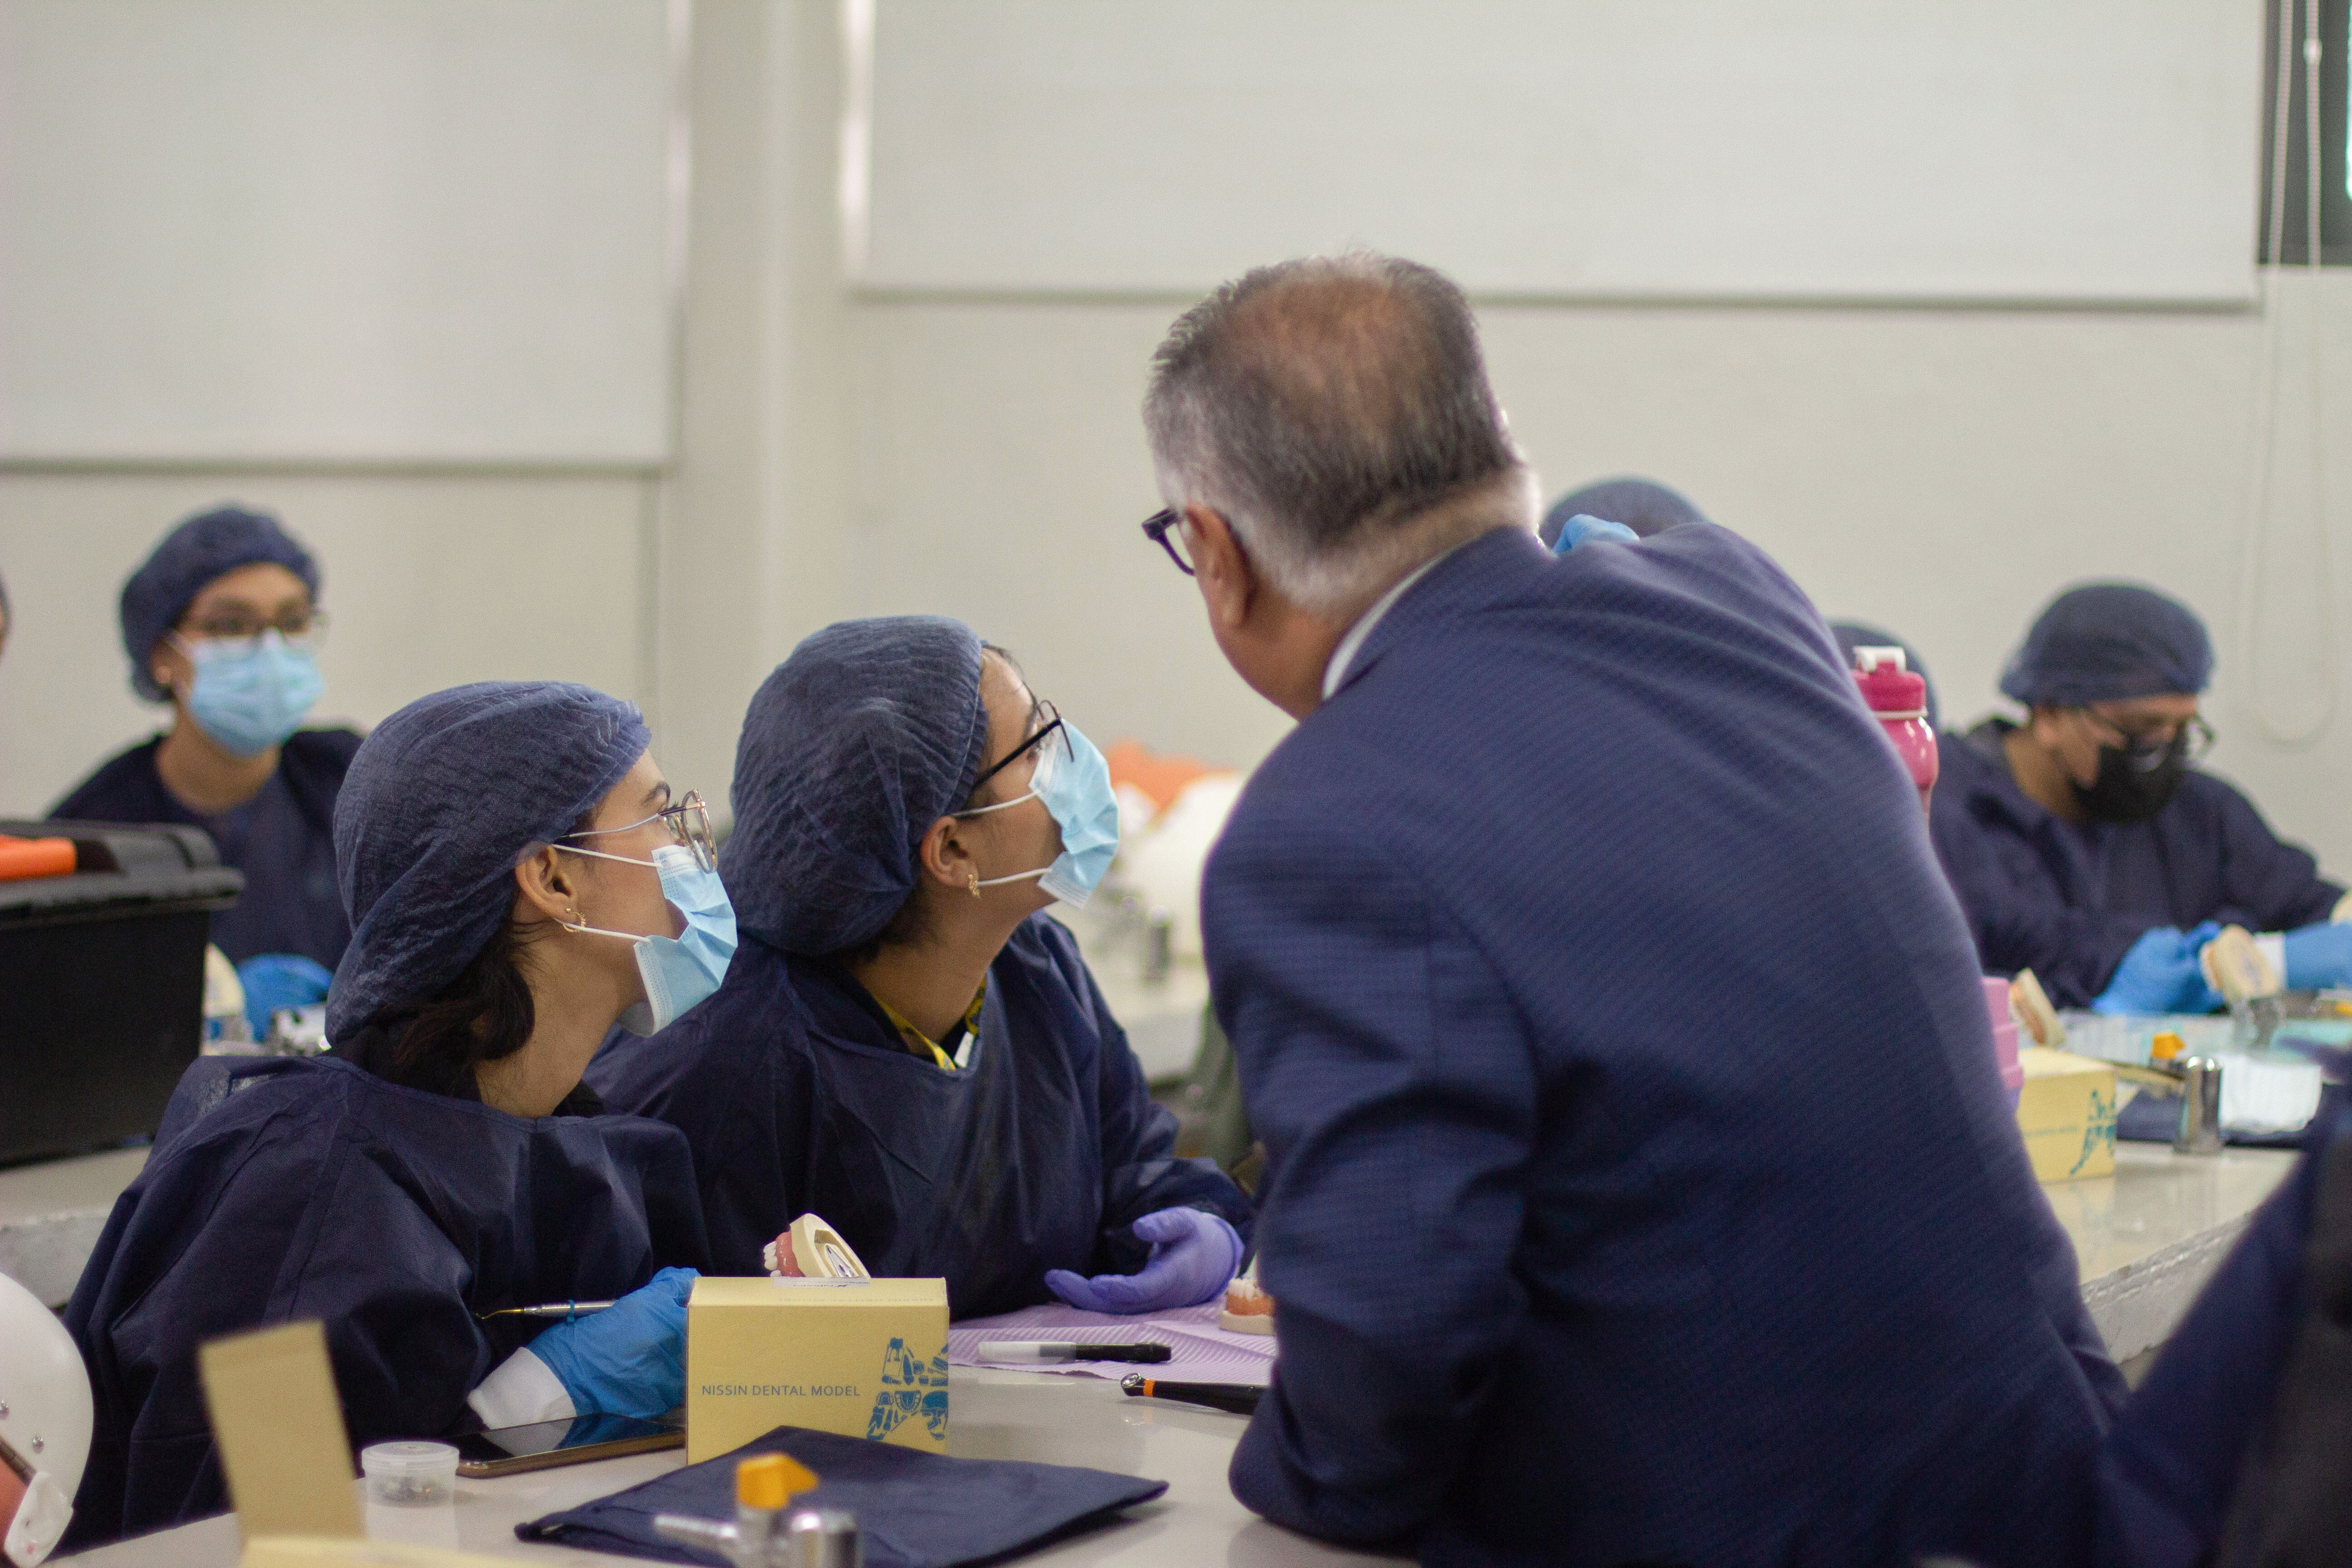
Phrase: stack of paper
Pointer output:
(1200, 1350)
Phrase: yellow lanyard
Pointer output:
(920, 1044)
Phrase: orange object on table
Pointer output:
(1160, 776)
(22, 859)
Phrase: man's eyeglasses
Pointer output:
(1050, 735)
(688, 822)
(240, 631)
(1155, 529)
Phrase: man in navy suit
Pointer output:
(1640, 1187)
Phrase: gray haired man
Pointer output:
(1640, 1186)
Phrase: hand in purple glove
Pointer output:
(1193, 1257)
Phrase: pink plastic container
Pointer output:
(1900, 700)
(2004, 1038)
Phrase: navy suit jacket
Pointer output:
(1640, 1186)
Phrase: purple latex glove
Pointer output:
(1193, 1257)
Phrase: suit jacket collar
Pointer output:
(1474, 575)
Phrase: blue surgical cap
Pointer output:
(867, 734)
(1642, 505)
(2109, 642)
(439, 805)
(1852, 634)
(199, 549)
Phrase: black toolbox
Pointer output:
(102, 982)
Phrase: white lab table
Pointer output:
(1052, 1418)
(2147, 1237)
(51, 1214)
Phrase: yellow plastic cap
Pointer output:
(2166, 1047)
(771, 1480)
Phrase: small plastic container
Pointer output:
(2004, 1040)
(410, 1475)
(1899, 699)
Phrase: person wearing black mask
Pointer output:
(2085, 846)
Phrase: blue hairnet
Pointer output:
(199, 549)
(867, 734)
(1852, 634)
(2108, 642)
(1642, 505)
(439, 805)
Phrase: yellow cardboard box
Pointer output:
(2067, 1113)
(865, 1357)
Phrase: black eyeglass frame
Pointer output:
(2194, 738)
(1155, 529)
(1053, 724)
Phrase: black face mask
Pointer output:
(2135, 782)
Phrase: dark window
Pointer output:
(2334, 128)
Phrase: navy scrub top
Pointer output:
(282, 839)
(798, 1095)
(2068, 899)
(295, 1188)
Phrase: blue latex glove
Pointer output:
(630, 1358)
(2160, 974)
(275, 980)
(1583, 526)
(1194, 1256)
(2318, 956)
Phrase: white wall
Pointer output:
(429, 582)
(1940, 471)
(1942, 474)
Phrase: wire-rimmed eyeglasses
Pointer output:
(690, 824)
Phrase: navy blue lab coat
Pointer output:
(797, 1097)
(1639, 1187)
(282, 839)
(315, 1189)
(2068, 899)
(2173, 1461)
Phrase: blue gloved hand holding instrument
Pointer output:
(1194, 1256)
(2161, 974)
(630, 1359)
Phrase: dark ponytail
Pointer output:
(483, 1015)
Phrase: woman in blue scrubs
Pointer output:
(222, 622)
(2085, 846)
(519, 880)
(907, 1044)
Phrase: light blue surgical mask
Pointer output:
(1077, 789)
(679, 970)
(250, 693)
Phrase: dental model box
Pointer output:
(2067, 1113)
(864, 1357)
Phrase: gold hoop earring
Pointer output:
(975, 883)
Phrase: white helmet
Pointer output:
(44, 1425)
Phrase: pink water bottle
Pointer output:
(2004, 1040)
(1900, 700)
